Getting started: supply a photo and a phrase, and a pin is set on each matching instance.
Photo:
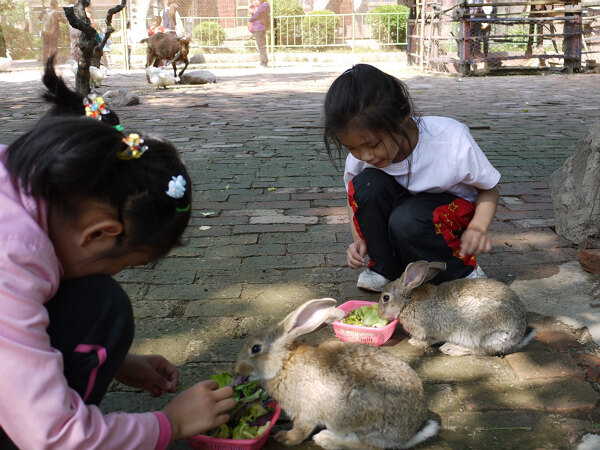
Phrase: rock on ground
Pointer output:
(120, 97)
(198, 77)
(575, 189)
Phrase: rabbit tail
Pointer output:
(428, 430)
(530, 333)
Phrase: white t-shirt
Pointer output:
(445, 159)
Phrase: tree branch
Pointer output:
(109, 15)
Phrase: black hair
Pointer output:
(64, 101)
(68, 159)
(367, 98)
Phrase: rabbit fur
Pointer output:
(471, 316)
(365, 397)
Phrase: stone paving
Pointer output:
(269, 231)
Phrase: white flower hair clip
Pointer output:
(176, 187)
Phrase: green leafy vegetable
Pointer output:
(366, 316)
(251, 415)
(224, 379)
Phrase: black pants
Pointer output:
(400, 228)
(91, 323)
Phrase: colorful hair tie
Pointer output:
(118, 127)
(95, 106)
(134, 149)
(186, 209)
(176, 187)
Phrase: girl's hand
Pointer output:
(356, 254)
(474, 241)
(201, 408)
(150, 372)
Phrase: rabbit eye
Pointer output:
(385, 298)
(256, 349)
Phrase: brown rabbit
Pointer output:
(365, 397)
(472, 316)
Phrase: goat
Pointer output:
(168, 47)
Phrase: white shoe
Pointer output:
(477, 273)
(372, 281)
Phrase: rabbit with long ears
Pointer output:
(364, 397)
(471, 316)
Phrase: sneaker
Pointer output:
(371, 281)
(477, 273)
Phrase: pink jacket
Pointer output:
(37, 407)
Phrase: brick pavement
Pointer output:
(269, 232)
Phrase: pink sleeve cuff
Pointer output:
(164, 433)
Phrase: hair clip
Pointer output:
(176, 187)
(95, 106)
(134, 149)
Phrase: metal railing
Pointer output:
(311, 31)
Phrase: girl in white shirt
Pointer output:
(418, 188)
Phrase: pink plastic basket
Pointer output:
(362, 335)
(207, 443)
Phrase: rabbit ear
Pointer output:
(419, 272)
(310, 316)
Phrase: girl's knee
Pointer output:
(372, 184)
(407, 224)
(94, 302)
(99, 292)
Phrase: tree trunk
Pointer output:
(90, 45)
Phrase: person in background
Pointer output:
(129, 43)
(105, 59)
(259, 23)
(51, 19)
(155, 26)
(171, 19)
(419, 188)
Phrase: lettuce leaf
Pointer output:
(366, 316)
(245, 431)
(224, 379)
(250, 416)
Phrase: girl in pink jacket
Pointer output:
(80, 200)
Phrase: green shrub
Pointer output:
(287, 29)
(388, 25)
(209, 34)
(21, 43)
(288, 8)
(320, 30)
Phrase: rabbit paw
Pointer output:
(455, 350)
(288, 437)
(329, 440)
(418, 342)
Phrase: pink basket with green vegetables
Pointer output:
(362, 334)
(203, 442)
(250, 422)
